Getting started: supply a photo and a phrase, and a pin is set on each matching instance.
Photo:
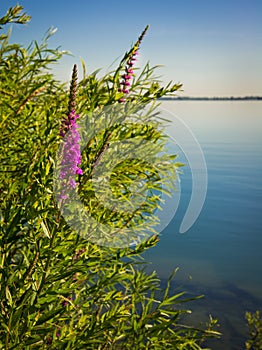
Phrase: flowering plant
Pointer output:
(59, 289)
(71, 157)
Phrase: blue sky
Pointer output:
(212, 47)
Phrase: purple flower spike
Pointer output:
(129, 72)
(71, 155)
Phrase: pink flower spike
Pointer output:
(126, 91)
(71, 153)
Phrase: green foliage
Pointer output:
(254, 322)
(14, 15)
(59, 290)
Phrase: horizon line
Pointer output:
(230, 98)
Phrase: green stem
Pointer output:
(46, 268)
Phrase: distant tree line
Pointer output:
(231, 98)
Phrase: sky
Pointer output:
(213, 47)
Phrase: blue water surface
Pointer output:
(220, 256)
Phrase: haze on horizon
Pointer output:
(212, 47)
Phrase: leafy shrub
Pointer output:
(59, 290)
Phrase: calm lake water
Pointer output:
(220, 256)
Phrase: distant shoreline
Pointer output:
(232, 98)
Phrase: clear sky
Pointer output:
(214, 47)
